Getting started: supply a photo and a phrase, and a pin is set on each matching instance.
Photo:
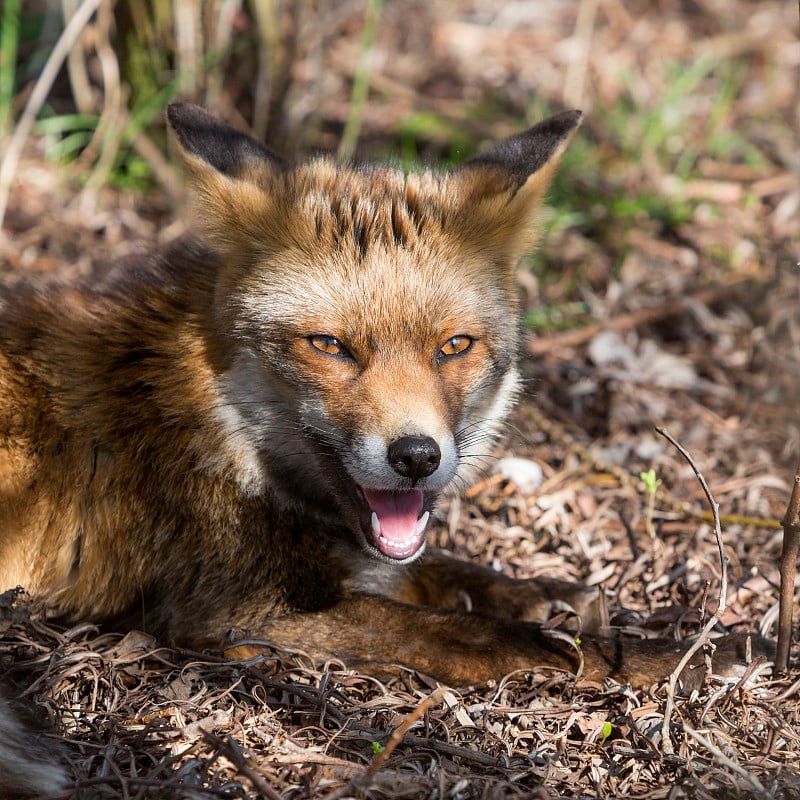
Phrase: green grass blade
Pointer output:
(358, 96)
(9, 41)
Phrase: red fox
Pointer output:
(243, 437)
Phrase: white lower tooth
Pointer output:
(422, 522)
(376, 524)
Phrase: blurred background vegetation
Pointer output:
(691, 106)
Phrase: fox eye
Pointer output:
(329, 345)
(455, 346)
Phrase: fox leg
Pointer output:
(439, 581)
(378, 634)
(443, 582)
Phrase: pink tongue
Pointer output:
(397, 512)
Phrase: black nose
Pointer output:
(414, 457)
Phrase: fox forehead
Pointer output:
(391, 292)
(364, 241)
(322, 205)
(370, 246)
(361, 207)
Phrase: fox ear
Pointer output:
(231, 178)
(505, 185)
(200, 136)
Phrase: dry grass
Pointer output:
(149, 722)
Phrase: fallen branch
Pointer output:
(464, 754)
(231, 750)
(721, 758)
(37, 98)
(397, 736)
(361, 783)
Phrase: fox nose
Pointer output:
(414, 457)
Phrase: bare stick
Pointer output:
(703, 639)
(791, 542)
(360, 90)
(397, 735)
(719, 756)
(231, 750)
(575, 80)
(362, 782)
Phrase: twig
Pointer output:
(39, 94)
(647, 755)
(230, 749)
(793, 688)
(9, 43)
(719, 756)
(267, 16)
(107, 137)
(575, 80)
(467, 755)
(762, 523)
(397, 735)
(577, 336)
(791, 543)
(703, 639)
(360, 90)
(363, 782)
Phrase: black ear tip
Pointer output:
(175, 111)
(204, 136)
(563, 122)
(521, 155)
(184, 115)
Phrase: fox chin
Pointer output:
(244, 435)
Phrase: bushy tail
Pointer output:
(28, 768)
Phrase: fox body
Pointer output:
(260, 424)
(244, 435)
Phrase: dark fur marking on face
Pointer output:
(399, 222)
(416, 213)
(394, 218)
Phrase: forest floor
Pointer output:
(665, 294)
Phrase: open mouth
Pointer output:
(397, 523)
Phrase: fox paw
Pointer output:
(732, 656)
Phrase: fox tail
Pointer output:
(28, 768)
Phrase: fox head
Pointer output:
(371, 317)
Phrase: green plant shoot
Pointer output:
(651, 484)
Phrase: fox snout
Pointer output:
(424, 457)
(414, 457)
(396, 485)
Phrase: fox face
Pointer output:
(396, 376)
(371, 319)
